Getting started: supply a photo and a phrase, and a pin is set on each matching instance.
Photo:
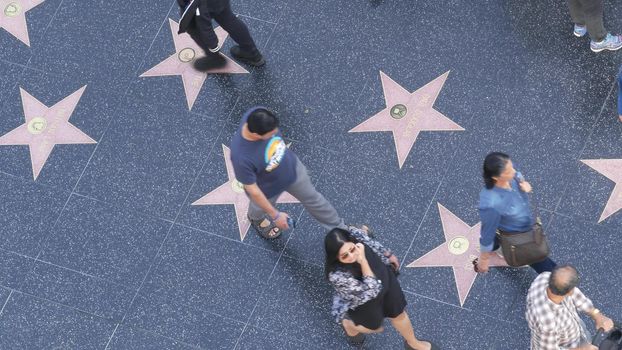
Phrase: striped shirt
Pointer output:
(555, 326)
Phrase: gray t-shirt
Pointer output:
(269, 163)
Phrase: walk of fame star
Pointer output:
(46, 127)
(407, 114)
(458, 252)
(612, 169)
(180, 63)
(232, 192)
(13, 17)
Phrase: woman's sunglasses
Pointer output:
(350, 251)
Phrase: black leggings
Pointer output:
(206, 38)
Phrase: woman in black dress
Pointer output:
(363, 273)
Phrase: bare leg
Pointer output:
(405, 328)
(352, 329)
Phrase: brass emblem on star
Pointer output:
(398, 111)
(186, 55)
(237, 186)
(37, 125)
(458, 246)
(12, 9)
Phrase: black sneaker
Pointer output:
(212, 61)
(253, 58)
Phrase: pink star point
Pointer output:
(612, 169)
(13, 17)
(461, 247)
(232, 192)
(46, 127)
(181, 63)
(407, 114)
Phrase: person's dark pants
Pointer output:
(229, 22)
(589, 13)
(543, 266)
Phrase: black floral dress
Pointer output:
(367, 300)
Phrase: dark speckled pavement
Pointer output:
(103, 249)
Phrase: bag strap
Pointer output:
(534, 206)
(538, 217)
(519, 178)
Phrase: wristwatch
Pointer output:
(595, 312)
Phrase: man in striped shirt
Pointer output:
(552, 304)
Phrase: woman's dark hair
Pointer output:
(334, 240)
(261, 121)
(494, 165)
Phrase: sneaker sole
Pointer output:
(251, 63)
(578, 35)
(605, 48)
(257, 64)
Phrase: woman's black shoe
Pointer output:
(356, 340)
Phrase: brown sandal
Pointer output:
(270, 231)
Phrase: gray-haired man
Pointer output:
(552, 304)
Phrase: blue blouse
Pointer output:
(504, 209)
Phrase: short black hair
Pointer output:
(261, 121)
(563, 279)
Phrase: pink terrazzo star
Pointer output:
(458, 252)
(46, 127)
(232, 192)
(612, 169)
(13, 17)
(181, 63)
(407, 114)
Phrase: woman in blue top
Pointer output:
(504, 206)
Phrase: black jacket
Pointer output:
(213, 6)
